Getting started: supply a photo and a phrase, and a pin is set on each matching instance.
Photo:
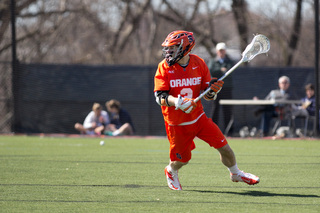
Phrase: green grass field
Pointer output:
(47, 174)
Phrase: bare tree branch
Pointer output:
(204, 38)
(92, 38)
(48, 13)
(5, 12)
(195, 10)
(133, 25)
(152, 35)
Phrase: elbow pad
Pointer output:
(162, 98)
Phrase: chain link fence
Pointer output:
(6, 98)
(51, 98)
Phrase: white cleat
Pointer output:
(245, 177)
(172, 179)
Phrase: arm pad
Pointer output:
(162, 98)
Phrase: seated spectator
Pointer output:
(308, 106)
(277, 110)
(95, 121)
(120, 120)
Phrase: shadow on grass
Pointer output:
(257, 193)
(135, 186)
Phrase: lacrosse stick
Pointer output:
(259, 44)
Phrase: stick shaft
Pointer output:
(220, 79)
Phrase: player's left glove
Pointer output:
(215, 88)
(187, 105)
(215, 85)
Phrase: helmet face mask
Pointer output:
(177, 45)
(172, 54)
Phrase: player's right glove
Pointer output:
(187, 105)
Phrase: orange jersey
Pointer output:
(188, 82)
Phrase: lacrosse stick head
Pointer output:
(259, 44)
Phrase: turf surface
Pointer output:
(50, 174)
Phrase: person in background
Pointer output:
(306, 109)
(218, 67)
(120, 120)
(94, 122)
(308, 106)
(271, 111)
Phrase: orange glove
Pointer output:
(215, 85)
(187, 105)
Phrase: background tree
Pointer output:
(239, 9)
(131, 31)
(295, 33)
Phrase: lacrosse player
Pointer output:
(179, 79)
